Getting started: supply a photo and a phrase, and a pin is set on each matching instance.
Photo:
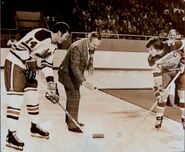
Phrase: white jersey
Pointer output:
(36, 43)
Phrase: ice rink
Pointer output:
(121, 122)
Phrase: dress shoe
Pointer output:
(81, 124)
(169, 104)
(77, 130)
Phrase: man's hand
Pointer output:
(52, 93)
(88, 85)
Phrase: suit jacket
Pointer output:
(76, 61)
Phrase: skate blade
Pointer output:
(14, 147)
(39, 136)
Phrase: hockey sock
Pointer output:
(160, 109)
(13, 111)
(31, 97)
(33, 111)
(181, 95)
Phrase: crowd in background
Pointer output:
(154, 17)
(136, 17)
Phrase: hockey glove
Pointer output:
(52, 93)
(31, 68)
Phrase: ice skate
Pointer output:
(158, 122)
(13, 141)
(183, 123)
(37, 131)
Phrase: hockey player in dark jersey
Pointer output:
(20, 78)
(167, 58)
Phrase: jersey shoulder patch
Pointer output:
(42, 35)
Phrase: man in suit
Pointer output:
(71, 73)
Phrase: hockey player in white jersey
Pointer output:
(20, 78)
(168, 58)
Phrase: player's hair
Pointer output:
(156, 42)
(93, 35)
(61, 26)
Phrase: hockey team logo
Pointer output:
(170, 60)
(174, 53)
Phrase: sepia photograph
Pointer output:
(92, 76)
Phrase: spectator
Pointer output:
(172, 36)
(11, 41)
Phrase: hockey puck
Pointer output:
(98, 136)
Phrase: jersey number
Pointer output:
(32, 43)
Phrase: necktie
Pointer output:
(90, 60)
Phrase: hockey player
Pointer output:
(20, 77)
(173, 55)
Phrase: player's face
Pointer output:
(94, 43)
(62, 37)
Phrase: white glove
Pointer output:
(88, 85)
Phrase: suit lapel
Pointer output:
(85, 50)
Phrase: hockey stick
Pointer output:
(66, 112)
(166, 89)
(71, 117)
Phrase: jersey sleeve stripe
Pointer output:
(24, 44)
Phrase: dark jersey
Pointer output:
(172, 56)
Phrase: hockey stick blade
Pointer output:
(71, 117)
(66, 112)
(166, 89)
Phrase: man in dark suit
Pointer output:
(71, 73)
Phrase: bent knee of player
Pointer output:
(15, 101)
(31, 96)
